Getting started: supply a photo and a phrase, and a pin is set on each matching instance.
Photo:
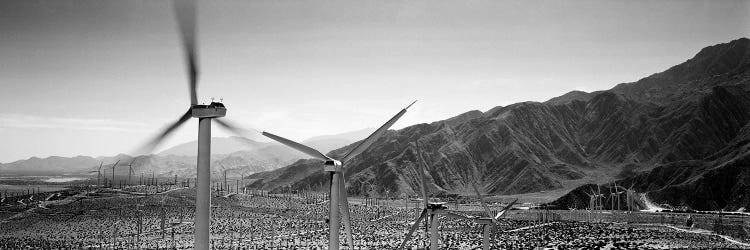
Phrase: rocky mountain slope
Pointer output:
(686, 113)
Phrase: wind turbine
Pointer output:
(592, 201)
(486, 227)
(611, 199)
(130, 172)
(432, 210)
(600, 199)
(243, 179)
(99, 175)
(335, 168)
(105, 177)
(597, 198)
(225, 178)
(630, 197)
(112, 184)
(186, 21)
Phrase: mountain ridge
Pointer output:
(687, 112)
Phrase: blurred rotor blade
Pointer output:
(295, 145)
(151, 145)
(114, 165)
(505, 209)
(234, 128)
(374, 136)
(186, 16)
(100, 166)
(414, 227)
(481, 200)
(421, 174)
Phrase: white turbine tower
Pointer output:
(335, 168)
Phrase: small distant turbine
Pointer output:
(130, 172)
(99, 174)
(113, 173)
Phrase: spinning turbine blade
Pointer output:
(481, 200)
(374, 136)
(414, 228)
(502, 212)
(234, 128)
(185, 11)
(151, 145)
(295, 145)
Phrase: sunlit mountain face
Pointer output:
(673, 133)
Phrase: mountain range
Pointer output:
(680, 135)
(239, 153)
(228, 145)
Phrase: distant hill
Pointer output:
(163, 166)
(57, 164)
(242, 154)
(677, 133)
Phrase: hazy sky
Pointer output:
(94, 77)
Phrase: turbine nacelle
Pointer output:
(213, 110)
(333, 166)
(436, 206)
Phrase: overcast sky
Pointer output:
(98, 77)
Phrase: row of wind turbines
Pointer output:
(597, 199)
(185, 11)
